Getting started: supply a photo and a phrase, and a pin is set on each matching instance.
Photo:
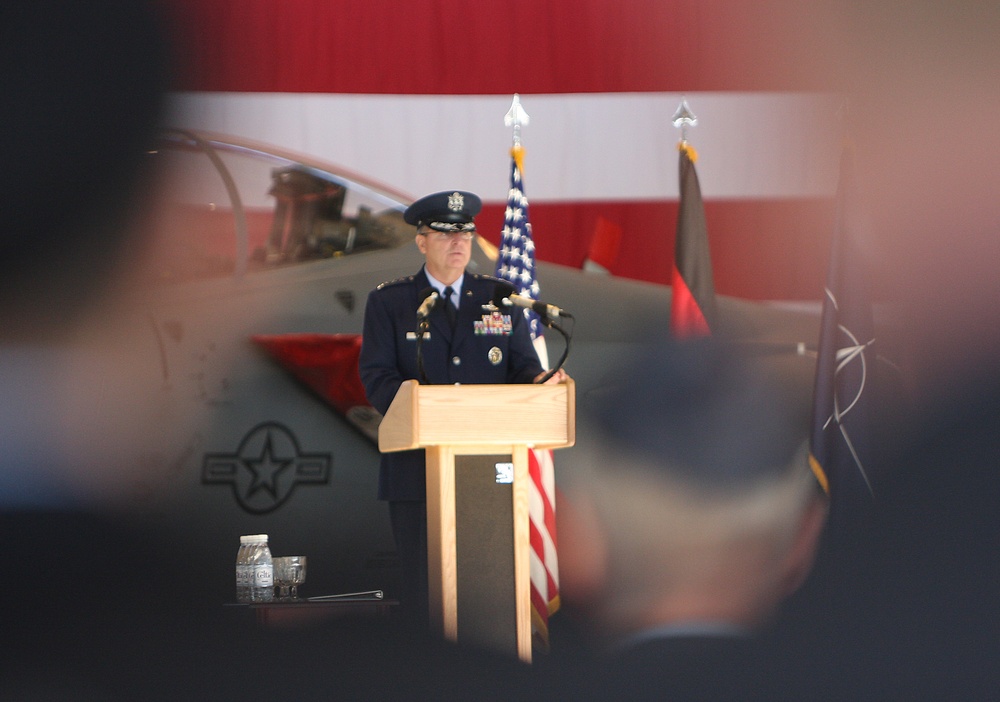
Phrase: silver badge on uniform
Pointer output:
(495, 355)
(456, 201)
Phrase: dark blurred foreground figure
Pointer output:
(83, 91)
(99, 605)
(689, 518)
(904, 605)
(83, 88)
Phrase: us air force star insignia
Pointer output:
(456, 201)
(495, 355)
(266, 468)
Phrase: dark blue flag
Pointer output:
(840, 446)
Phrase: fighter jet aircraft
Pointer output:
(245, 337)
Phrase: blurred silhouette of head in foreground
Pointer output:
(693, 503)
(84, 87)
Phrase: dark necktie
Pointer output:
(449, 307)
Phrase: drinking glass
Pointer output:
(281, 583)
(289, 573)
(296, 574)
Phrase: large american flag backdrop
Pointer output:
(413, 94)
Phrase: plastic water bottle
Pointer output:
(243, 570)
(261, 570)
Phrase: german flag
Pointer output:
(692, 308)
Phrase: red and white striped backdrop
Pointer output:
(414, 93)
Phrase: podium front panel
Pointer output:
(485, 552)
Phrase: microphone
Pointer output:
(429, 297)
(504, 295)
(546, 310)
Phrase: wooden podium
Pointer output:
(477, 439)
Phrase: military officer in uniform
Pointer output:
(467, 341)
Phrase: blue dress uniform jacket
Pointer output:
(481, 349)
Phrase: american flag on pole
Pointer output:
(516, 264)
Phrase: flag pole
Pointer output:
(682, 119)
(516, 117)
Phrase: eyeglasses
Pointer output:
(445, 236)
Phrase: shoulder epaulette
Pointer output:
(397, 281)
